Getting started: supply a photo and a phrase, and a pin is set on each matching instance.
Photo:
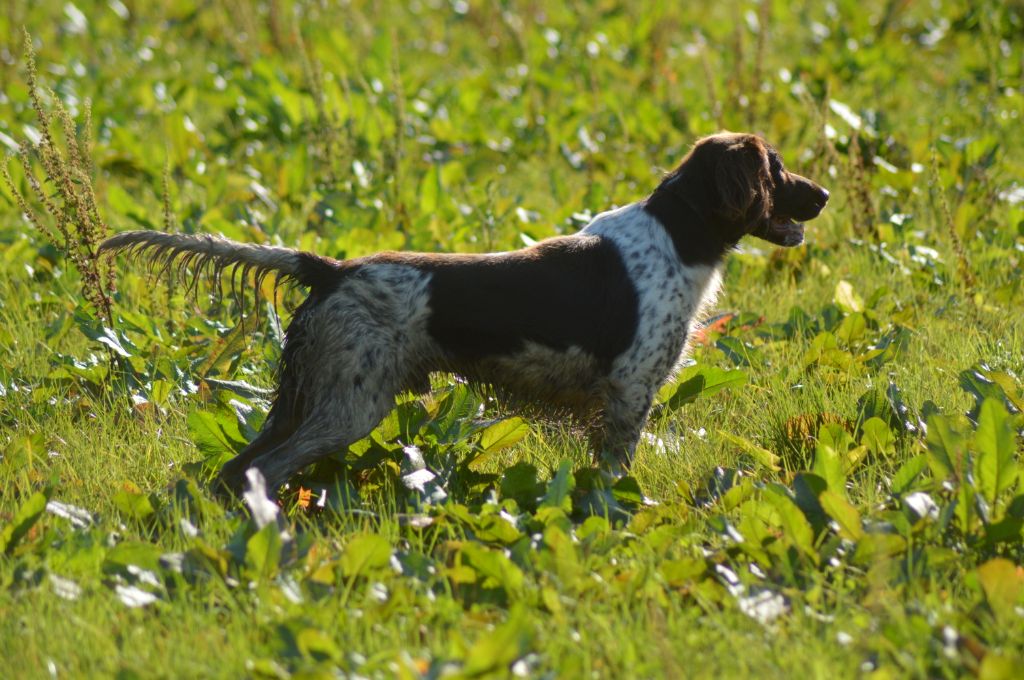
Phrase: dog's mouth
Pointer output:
(781, 230)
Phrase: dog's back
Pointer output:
(593, 322)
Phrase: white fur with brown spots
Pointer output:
(591, 324)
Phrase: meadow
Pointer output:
(832, 487)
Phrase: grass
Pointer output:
(805, 522)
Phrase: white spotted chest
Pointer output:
(671, 296)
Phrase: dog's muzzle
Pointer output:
(785, 232)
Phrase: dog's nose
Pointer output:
(823, 192)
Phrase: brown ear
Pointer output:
(743, 181)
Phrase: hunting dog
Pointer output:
(590, 324)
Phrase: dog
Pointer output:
(591, 324)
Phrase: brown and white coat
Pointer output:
(590, 324)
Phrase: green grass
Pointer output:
(479, 126)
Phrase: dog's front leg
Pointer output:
(614, 442)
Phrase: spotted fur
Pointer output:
(590, 324)
(671, 297)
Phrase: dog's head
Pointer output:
(738, 185)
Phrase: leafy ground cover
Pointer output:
(833, 487)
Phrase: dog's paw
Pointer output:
(228, 485)
(611, 467)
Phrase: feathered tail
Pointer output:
(212, 254)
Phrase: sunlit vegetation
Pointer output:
(834, 486)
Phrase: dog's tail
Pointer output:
(212, 254)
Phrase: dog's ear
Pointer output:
(743, 181)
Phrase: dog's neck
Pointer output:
(693, 232)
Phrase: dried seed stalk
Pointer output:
(69, 217)
(963, 264)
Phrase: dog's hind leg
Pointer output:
(318, 437)
(330, 427)
(346, 356)
(231, 477)
(284, 418)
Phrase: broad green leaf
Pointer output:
(225, 349)
(1009, 385)
(90, 370)
(263, 551)
(317, 645)
(133, 553)
(132, 502)
(705, 381)
(430, 190)
(794, 524)
(627, 490)
(946, 447)
(874, 404)
(495, 528)
(561, 555)
(452, 419)
(1003, 583)
(365, 552)
(825, 351)
(215, 433)
(995, 470)
(110, 339)
(888, 348)
(836, 436)
(852, 329)
(503, 434)
(983, 384)
(554, 516)
(552, 601)
(216, 559)
(830, 466)
(681, 572)
(559, 490)
(1007, 530)
(996, 665)
(878, 437)
(93, 328)
(493, 653)
(520, 483)
(24, 519)
(493, 568)
(907, 474)
(907, 419)
(757, 524)
(845, 515)
(873, 547)
(160, 392)
(597, 527)
(807, 488)
(762, 455)
(739, 352)
(846, 298)
(965, 507)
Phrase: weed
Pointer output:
(323, 135)
(757, 97)
(714, 104)
(963, 265)
(70, 219)
(859, 189)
